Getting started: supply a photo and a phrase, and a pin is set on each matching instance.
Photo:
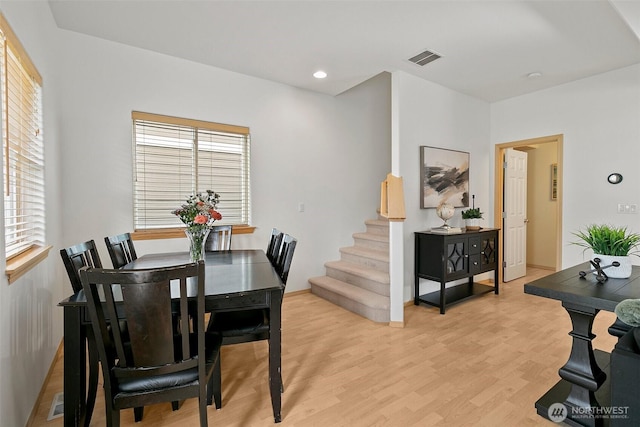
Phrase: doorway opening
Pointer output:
(540, 186)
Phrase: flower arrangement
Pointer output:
(200, 210)
(198, 214)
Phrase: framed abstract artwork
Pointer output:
(444, 177)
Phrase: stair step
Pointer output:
(373, 241)
(371, 258)
(353, 298)
(378, 226)
(363, 277)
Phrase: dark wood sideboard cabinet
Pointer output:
(447, 257)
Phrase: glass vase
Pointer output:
(197, 238)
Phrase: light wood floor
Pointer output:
(484, 363)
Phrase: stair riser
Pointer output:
(361, 282)
(377, 315)
(371, 244)
(380, 230)
(367, 262)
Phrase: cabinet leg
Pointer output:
(443, 300)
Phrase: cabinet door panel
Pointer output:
(456, 258)
(489, 254)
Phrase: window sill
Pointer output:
(174, 233)
(20, 264)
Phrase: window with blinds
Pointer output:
(23, 151)
(176, 157)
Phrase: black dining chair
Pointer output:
(283, 261)
(152, 364)
(74, 258)
(243, 326)
(275, 242)
(121, 249)
(219, 238)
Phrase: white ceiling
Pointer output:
(488, 47)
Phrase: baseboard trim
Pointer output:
(541, 267)
(58, 356)
(296, 293)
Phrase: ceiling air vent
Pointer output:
(424, 58)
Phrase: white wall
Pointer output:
(330, 153)
(326, 152)
(600, 119)
(30, 321)
(430, 114)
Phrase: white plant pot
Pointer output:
(472, 223)
(621, 272)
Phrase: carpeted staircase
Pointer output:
(359, 281)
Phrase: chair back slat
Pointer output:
(219, 238)
(147, 308)
(121, 249)
(78, 256)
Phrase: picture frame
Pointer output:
(554, 181)
(444, 177)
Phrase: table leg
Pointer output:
(275, 343)
(582, 370)
(75, 373)
(443, 299)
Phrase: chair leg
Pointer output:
(214, 386)
(93, 376)
(176, 404)
(113, 418)
(203, 411)
(137, 414)
(281, 384)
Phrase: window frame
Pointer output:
(35, 251)
(178, 232)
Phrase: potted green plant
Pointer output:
(610, 243)
(472, 216)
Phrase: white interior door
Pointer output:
(515, 214)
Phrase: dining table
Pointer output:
(237, 279)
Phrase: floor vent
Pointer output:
(424, 58)
(57, 407)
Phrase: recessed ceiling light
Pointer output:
(320, 74)
(534, 75)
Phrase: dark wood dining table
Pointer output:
(234, 280)
(583, 389)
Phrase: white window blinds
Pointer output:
(176, 157)
(23, 151)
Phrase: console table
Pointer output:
(583, 391)
(447, 257)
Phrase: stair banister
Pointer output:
(392, 198)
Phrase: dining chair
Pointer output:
(154, 364)
(219, 238)
(283, 262)
(243, 326)
(121, 249)
(275, 242)
(74, 258)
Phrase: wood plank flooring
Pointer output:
(484, 363)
